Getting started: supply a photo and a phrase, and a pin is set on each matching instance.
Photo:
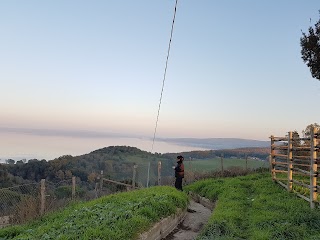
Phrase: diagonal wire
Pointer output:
(164, 75)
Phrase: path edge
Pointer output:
(164, 227)
(202, 200)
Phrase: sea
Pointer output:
(20, 146)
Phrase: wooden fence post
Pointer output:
(272, 159)
(42, 196)
(159, 173)
(222, 169)
(290, 162)
(73, 187)
(246, 162)
(148, 176)
(134, 176)
(101, 181)
(96, 190)
(314, 168)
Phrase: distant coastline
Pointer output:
(18, 144)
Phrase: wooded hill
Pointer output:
(116, 162)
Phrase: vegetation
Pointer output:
(253, 207)
(310, 49)
(116, 162)
(118, 216)
(214, 164)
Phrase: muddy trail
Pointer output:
(196, 218)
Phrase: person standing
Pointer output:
(179, 173)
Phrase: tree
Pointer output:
(310, 44)
(307, 132)
(10, 161)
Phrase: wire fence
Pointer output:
(18, 203)
(22, 203)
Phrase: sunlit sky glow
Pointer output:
(235, 68)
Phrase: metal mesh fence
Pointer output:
(57, 194)
(19, 204)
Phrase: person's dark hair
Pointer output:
(180, 158)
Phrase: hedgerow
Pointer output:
(118, 216)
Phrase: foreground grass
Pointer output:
(118, 216)
(253, 207)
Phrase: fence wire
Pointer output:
(18, 204)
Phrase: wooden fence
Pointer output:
(294, 164)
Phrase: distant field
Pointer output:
(214, 164)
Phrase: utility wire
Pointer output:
(164, 75)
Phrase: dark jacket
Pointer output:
(179, 170)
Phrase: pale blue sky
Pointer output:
(234, 70)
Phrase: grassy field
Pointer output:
(253, 207)
(119, 216)
(214, 164)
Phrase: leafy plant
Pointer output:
(118, 216)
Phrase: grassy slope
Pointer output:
(118, 216)
(253, 207)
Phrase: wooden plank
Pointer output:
(302, 171)
(282, 184)
(301, 184)
(277, 139)
(313, 169)
(279, 147)
(281, 156)
(301, 157)
(119, 183)
(280, 163)
(303, 197)
(290, 166)
(301, 148)
(299, 164)
(279, 171)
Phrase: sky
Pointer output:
(234, 71)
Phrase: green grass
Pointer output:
(253, 207)
(118, 216)
(214, 164)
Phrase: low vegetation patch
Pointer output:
(253, 207)
(118, 216)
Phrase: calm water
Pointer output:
(18, 146)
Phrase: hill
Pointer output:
(116, 162)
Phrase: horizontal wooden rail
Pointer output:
(304, 139)
(303, 197)
(279, 147)
(300, 164)
(277, 139)
(119, 183)
(281, 179)
(302, 157)
(280, 155)
(301, 148)
(282, 184)
(279, 171)
(280, 163)
(301, 183)
(302, 171)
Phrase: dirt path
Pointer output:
(196, 217)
